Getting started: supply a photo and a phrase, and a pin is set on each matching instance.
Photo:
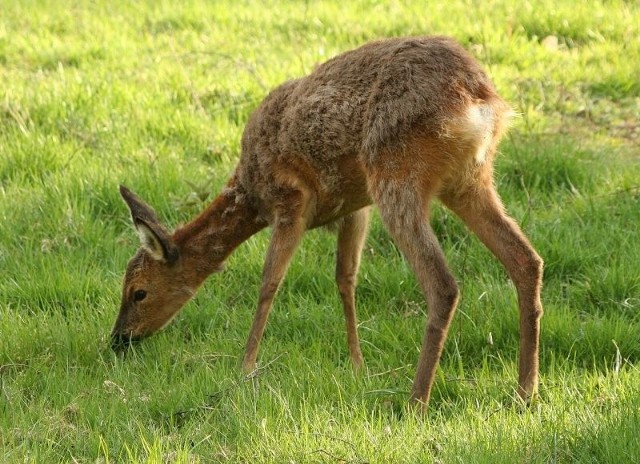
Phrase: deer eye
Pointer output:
(139, 295)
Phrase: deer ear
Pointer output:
(153, 236)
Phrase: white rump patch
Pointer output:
(480, 126)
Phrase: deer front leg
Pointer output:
(287, 233)
(351, 238)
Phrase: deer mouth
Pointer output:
(121, 342)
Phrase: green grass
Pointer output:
(155, 95)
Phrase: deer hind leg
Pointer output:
(481, 209)
(351, 238)
(403, 200)
(288, 229)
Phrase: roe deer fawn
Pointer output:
(396, 123)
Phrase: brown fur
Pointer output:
(396, 123)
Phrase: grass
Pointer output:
(155, 95)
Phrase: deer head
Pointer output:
(155, 285)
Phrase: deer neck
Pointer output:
(208, 240)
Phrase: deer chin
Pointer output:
(122, 342)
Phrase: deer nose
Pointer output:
(122, 341)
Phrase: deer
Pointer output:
(395, 124)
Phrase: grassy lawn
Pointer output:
(155, 95)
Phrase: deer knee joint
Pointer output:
(345, 284)
(441, 310)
